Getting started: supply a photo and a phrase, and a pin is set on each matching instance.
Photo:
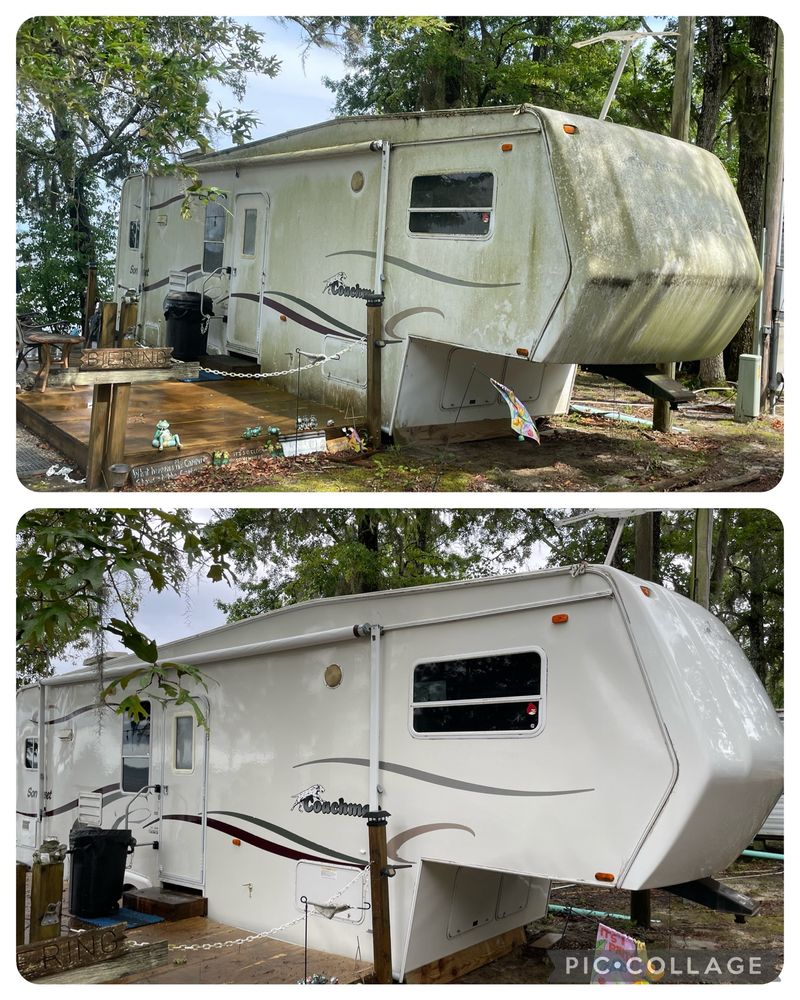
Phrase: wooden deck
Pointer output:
(264, 961)
(208, 415)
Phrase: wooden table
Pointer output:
(47, 341)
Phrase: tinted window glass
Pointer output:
(450, 223)
(249, 237)
(136, 735)
(133, 236)
(135, 773)
(184, 743)
(503, 676)
(503, 717)
(467, 190)
(31, 754)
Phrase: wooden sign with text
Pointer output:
(125, 358)
(71, 952)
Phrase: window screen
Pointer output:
(136, 751)
(184, 743)
(452, 204)
(497, 693)
(213, 236)
(32, 754)
(249, 235)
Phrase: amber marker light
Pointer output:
(646, 591)
(570, 129)
(507, 147)
(522, 352)
(282, 318)
(236, 842)
(560, 619)
(604, 876)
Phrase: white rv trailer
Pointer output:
(511, 243)
(575, 724)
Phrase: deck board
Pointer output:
(208, 416)
(263, 961)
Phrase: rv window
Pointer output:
(133, 235)
(479, 694)
(136, 751)
(452, 204)
(249, 236)
(32, 754)
(184, 743)
(213, 236)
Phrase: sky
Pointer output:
(296, 97)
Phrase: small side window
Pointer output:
(491, 694)
(31, 754)
(214, 236)
(249, 234)
(458, 204)
(184, 743)
(136, 751)
(133, 235)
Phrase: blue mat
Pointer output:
(123, 915)
(204, 377)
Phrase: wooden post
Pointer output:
(374, 345)
(108, 325)
(22, 873)
(379, 890)
(681, 111)
(98, 432)
(127, 323)
(117, 424)
(640, 908)
(47, 889)
(91, 296)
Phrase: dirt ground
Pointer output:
(706, 451)
(678, 926)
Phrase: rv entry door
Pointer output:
(182, 826)
(248, 274)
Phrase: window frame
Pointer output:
(139, 756)
(505, 734)
(249, 213)
(35, 741)
(174, 748)
(218, 202)
(453, 236)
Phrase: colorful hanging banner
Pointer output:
(521, 421)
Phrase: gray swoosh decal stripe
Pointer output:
(288, 835)
(438, 779)
(318, 312)
(434, 275)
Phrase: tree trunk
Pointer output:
(752, 118)
(755, 618)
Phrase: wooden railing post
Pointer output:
(379, 891)
(22, 872)
(374, 345)
(47, 889)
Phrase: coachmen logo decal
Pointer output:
(337, 285)
(310, 799)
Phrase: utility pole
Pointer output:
(700, 584)
(681, 116)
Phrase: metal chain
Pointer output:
(262, 934)
(288, 371)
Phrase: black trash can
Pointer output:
(187, 334)
(97, 870)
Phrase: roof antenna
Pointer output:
(629, 38)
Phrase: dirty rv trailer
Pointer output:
(573, 724)
(511, 243)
